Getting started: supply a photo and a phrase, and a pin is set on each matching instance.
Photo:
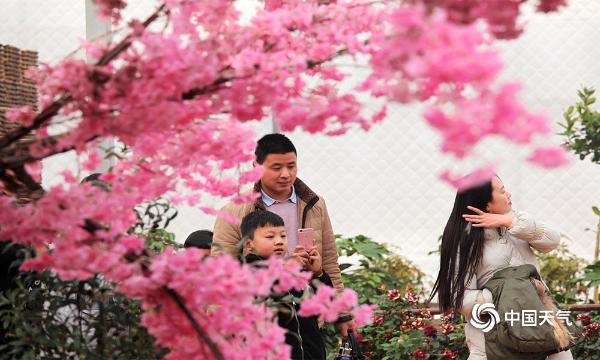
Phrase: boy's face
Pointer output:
(269, 241)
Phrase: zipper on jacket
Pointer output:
(298, 329)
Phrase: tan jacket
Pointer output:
(312, 213)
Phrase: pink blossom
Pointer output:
(550, 5)
(363, 315)
(132, 243)
(502, 16)
(23, 115)
(110, 8)
(329, 305)
(474, 178)
(549, 157)
(93, 161)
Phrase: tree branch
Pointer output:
(52, 110)
(13, 161)
(201, 334)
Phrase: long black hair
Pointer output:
(461, 249)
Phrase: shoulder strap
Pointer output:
(356, 352)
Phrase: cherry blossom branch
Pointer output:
(52, 110)
(13, 161)
(46, 114)
(216, 85)
(201, 334)
(18, 160)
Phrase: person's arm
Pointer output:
(226, 237)
(520, 225)
(330, 256)
(539, 235)
(474, 296)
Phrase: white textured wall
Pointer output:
(384, 183)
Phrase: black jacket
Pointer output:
(303, 333)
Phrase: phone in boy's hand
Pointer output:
(306, 238)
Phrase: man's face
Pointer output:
(279, 174)
(269, 241)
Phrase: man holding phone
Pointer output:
(303, 211)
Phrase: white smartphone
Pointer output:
(306, 238)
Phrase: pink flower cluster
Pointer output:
(110, 8)
(426, 56)
(328, 305)
(220, 294)
(477, 177)
(592, 331)
(500, 15)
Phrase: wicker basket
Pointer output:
(15, 88)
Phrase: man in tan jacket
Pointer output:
(286, 195)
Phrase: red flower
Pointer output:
(592, 330)
(430, 331)
(449, 354)
(405, 325)
(393, 294)
(419, 354)
(359, 338)
(417, 324)
(447, 317)
(378, 320)
(411, 297)
(447, 328)
(426, 313)
(584, 318)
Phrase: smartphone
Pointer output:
(306, 238)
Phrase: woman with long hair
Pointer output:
(483, 236)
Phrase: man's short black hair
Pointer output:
(201, 239)
(273, 144)
(257, 219)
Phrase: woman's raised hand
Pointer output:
(487, 220)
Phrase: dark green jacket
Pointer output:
(512, 290)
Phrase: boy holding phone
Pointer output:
(264, 236)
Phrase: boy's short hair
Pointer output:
(273, 144)
(257, 219)
(201, 239)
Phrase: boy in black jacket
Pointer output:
(264, 236)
